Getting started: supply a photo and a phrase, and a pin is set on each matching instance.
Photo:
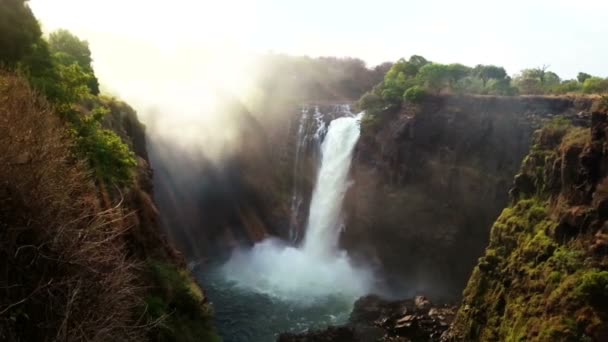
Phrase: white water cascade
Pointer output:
(317, 270)
(323, 228)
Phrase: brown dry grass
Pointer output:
(64, 270)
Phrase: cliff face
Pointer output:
(85, 260)
(431, 178)
(543, 276)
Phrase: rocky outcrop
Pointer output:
(543, 275)
(430, 179)
(376, 319)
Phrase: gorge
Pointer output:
(250, 197)
(404, 172)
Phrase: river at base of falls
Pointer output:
(242, 315)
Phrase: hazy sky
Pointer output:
(136, 43)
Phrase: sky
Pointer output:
(162, 49)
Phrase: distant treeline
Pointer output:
(411, 80)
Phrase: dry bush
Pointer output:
(65, 274)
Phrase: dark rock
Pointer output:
(522, 185)
(331, 334)
(572, 223)
(376, 319)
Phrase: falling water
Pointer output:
(317, 269)
(311, 130)
(323, 228)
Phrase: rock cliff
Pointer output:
(429, 180)
(543, 275)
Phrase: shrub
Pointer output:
(109, 157)
(415, 94)
(595, 85)
(67, 276)
(370, 102)
(594, 288)
(178, 304)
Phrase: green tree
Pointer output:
(434, 76)
(414, 94)
(370, 102)
(536, 81)
(488, 72)
(67, 49)
(568, 86)
(595, 85)
(398, 79)
(456, 72)
(551, 80)
(418, 61)
(19, 31)
(107, 154)
(582, 77)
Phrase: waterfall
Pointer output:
(317, 270)
(311, 130)
(323, 228)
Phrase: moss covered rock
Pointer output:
(543, 276)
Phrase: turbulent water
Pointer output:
(274, 287)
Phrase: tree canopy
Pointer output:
(19, 31)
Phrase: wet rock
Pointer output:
(422, 303)
(376, 319)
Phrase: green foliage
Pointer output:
(62, 71)
(488, 72)
(19, 31)
(176, 300)
(434, 76)
(401, 77)
(595, 85)
(371, 102)
(582, 77)
(530, 285)
(593, 287)
(414, 94)
(456, 72)
(568, 86)
(107, 154)
(536, 81)
(67, 50)
(72, 88)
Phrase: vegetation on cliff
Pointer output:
(543, 276)
(84, 259)
(410, 80)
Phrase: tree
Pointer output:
(370, 102)
(434, 76)
(536, 81)
(418, 61)
(568, 86)
(67, 49)
(595, 85)
(582, 77)
(398, 79)
(487, 72)
(19, 31)
(456, 72)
